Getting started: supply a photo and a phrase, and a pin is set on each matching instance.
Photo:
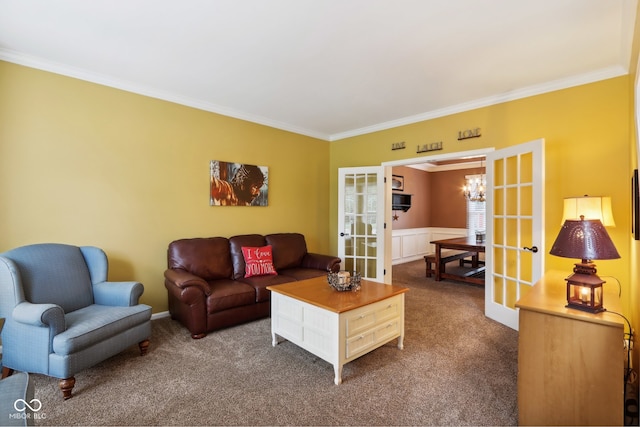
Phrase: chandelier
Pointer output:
(475, 188)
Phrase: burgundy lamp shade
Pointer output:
(585, 240)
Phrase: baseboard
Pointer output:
(160, 315)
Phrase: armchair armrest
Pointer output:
(43, 315)
(321, 262)
(183, 279)
(121, 294)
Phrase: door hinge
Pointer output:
(385, 226)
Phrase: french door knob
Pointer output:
(533, 249)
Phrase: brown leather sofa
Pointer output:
(206, 280)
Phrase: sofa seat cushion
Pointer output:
(227, 294)
(302, 273)
(260, 283)
(96, 323)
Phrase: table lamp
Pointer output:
(588, 240)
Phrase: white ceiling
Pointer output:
(324, 68)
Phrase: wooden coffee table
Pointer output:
(337, 326)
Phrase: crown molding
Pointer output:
(65, 70)
(81, 74)
(603, 74)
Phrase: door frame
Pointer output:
(416, 161)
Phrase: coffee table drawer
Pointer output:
(367, 317)
(370, 339)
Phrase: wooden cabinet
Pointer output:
(570, 363)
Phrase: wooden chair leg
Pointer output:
(429, 261)
(66, 385)
(6, 372)
(144, 347)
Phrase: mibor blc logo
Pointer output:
(21, 405)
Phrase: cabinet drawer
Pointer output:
(372, 338)
(388, 310)
(387, 330)
(359, 323)
(367, 317)
(360, 343)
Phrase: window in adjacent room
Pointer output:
(476, 217)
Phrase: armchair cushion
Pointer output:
(53, 273)
(96, 323)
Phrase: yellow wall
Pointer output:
(586, 129)
(85, 164)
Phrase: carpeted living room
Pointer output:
(457, 368)
(378, 135)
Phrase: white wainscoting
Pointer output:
(414, 243)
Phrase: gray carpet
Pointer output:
(457, 368)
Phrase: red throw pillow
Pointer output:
(258, 261)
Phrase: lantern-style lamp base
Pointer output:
(584, 288)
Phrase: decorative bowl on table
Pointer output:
(344, 280)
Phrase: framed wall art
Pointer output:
(238, 184)
(397, 182)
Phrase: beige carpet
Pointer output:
(457, 368)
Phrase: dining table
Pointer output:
(469, 244)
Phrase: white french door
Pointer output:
(515, 227)
(361, 221)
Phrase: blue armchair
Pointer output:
(62, 315)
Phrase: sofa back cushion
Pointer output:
(236, 243)
(288, 249)
(208, 257)
(54, 273)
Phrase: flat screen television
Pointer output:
(400, 202)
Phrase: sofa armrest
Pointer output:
(321, 262)
(43, 315)
(120, 294)
(183, 279)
